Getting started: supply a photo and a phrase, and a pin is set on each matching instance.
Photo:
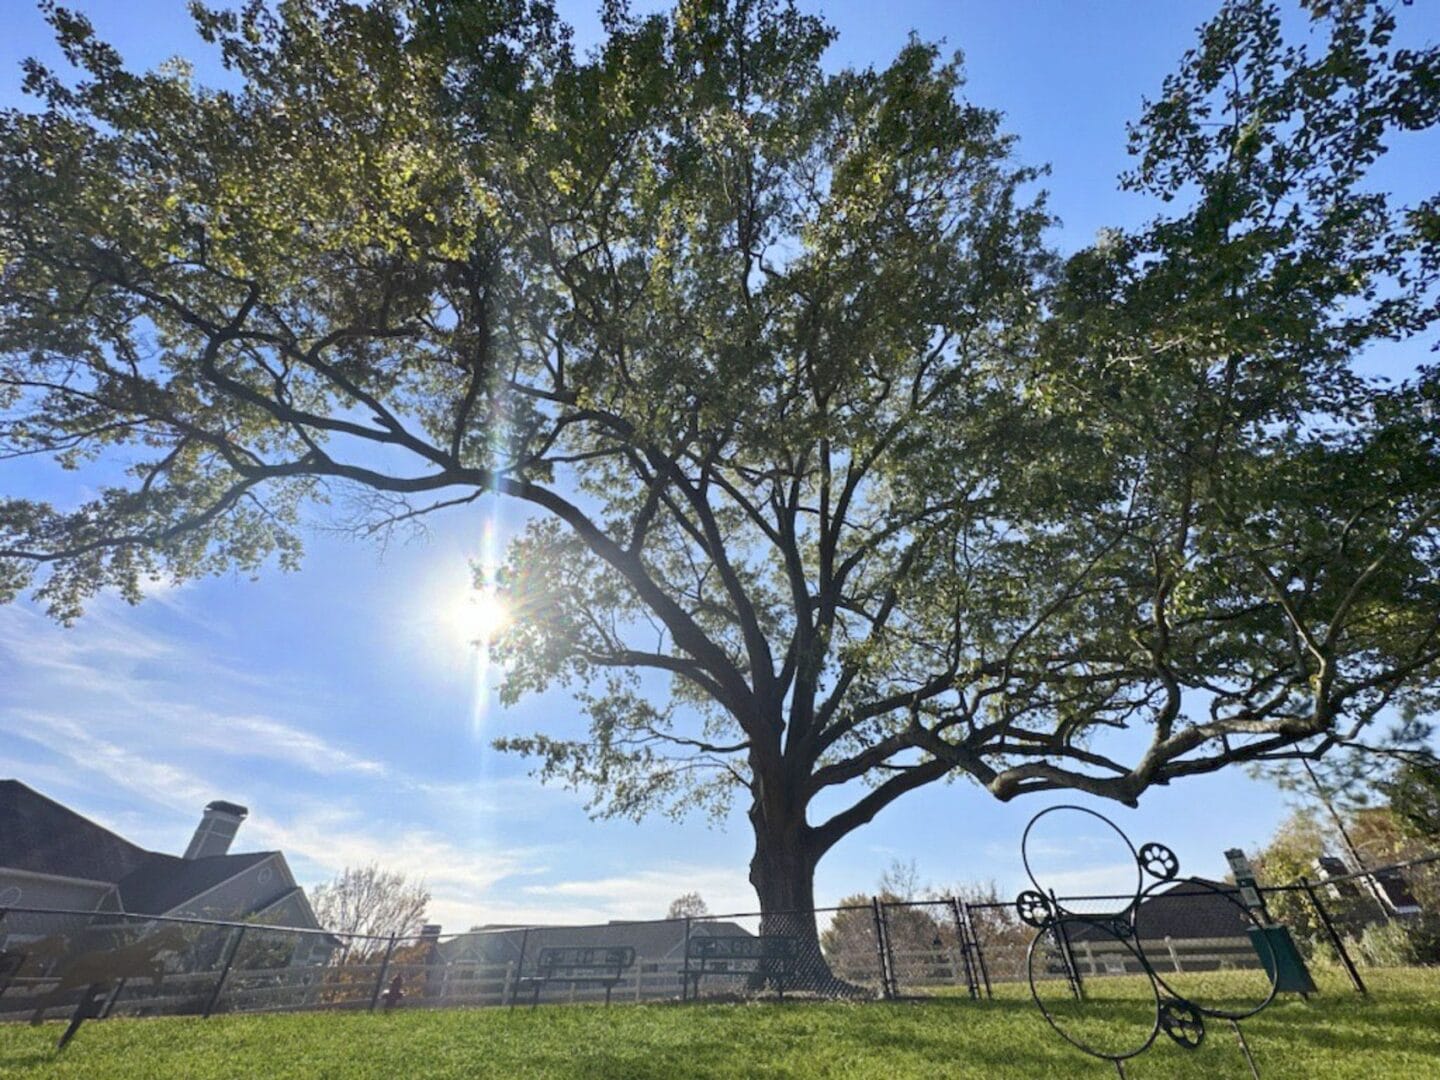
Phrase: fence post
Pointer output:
(1174, 956)
(1334, 936)
(507, 988)
(110, 999)
(685, 971)
(1067, 955)
(5, 979)
(963, 938)
(520, 964)
(235, 939)
(384, 967)
(882, 949)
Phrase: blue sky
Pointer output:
(341, 703)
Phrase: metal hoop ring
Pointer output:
(1030, 873)
(1080, 1044)
(1262, 946)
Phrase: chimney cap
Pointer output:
(223, 807)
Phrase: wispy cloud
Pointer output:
(166, 784)
(320, 837)
(329, 838)
(138, 720)
(648, 893)
(120, 679)
(113, 708)
(260, 736)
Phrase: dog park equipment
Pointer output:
(99, 974)
(1180, 1015)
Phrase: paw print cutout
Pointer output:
(1159, 861)
(1033, 908)
(1182, 1022)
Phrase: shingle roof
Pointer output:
(39, 835)
(652, 941)
(43, 837)
(1191, 908)
(164, 882)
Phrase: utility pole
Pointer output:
(1360, 866)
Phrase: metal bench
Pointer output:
(770, 956)
(603, 965)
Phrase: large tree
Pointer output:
(842, 482)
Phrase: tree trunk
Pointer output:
(782, 871)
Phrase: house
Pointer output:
(1192, 924)
(53, 858)
(655, 943)
(1191, 909)
(1387, 885)
(1327, 869)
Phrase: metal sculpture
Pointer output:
(101, 974)
(1179, 1016)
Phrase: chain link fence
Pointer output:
(129, 965)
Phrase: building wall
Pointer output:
(20, 888)
(293, 911)
(256, 887)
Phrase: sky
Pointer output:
(342, 705)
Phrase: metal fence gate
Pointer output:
(929, 948)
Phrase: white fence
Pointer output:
(343, 987)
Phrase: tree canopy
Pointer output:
(367, 900)
(1413, 796)
(690, 905)
(841, 475)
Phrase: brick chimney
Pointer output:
(216, 830)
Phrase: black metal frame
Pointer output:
(1178, 1016)
(1268, 959)
(603, 965)
(1058, 931)
(1335, 939)
(775, 957)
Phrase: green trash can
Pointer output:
(1293, 976)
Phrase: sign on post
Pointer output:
(1245, 879)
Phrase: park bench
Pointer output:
(603, 965)
(770, 956)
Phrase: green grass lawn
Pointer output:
(1395, 1033)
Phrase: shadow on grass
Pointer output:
(1331, 1037)
(27, 1059)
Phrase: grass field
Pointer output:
(1394, 1033)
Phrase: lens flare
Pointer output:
(479, 616)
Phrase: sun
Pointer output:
(479, 615)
